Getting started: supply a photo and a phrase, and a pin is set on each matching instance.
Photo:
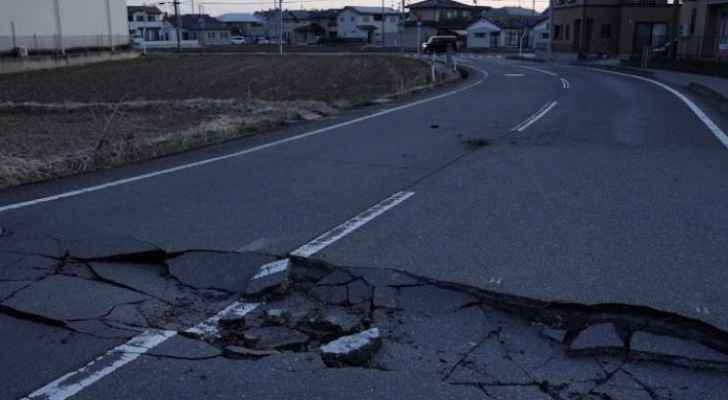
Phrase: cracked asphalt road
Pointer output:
(617, 196)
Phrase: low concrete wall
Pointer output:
(11, 65)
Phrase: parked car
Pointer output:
(264, 41)
(440, 44)
(239, 40)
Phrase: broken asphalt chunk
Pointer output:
(335, 321)
(110, 248)
(244, 352)
(599, 336)
(338, 277)
(277, 316)
(652, 343)
(217, 270)
(271, 276)
(63, 298)
(147, 278)
(278, 338)
(353, 350)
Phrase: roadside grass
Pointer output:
(68, 121)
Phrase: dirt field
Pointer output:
(61, 122)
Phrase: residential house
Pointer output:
(703, 29)
(374, 25)
(515, 29)
(328, 20)
(438, 17)
(204, 29)
(243, 24)
(483, 34)
(292, 20)
(39, 25)
(539, 35)
(145, 23)
(619, 28)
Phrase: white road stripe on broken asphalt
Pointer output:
(351, 225)
(74, 382)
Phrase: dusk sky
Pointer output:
(217, 7)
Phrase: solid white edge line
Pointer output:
(195, 164)
(74, 382)
(535, 117)
(712, 126)
(335, 234)
(539, 70)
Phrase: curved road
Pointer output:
(557, 183)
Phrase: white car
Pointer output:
(238, 40)
(264, 41)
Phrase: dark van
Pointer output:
(440, 44)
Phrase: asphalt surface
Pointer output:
(616, 195)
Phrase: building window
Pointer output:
(606, 31)
(352, 19)
(557, 32)
(131, 18)
(567, 32)
(693, 18)
(211, 35)
(545, 35)
(377, 17)
(480, 35)
(365, 18)
(151, 18)
(140, 18)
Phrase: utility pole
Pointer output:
(401, 27)
(551, 30)
(280, 32)
(12, 29)
(108, 23)
(178, 18)
(59, 28)
(384, 17)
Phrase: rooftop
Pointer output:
(150, 10)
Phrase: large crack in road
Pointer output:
(373, 318)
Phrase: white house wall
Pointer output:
(348, 20)
(83, 22)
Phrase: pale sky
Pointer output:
(217, 7)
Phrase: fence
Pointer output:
(54, 43)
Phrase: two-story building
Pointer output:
(145, 23)
(620, 28)
(439, 17)
(374, 25)
(704, 29)
(204, 29)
